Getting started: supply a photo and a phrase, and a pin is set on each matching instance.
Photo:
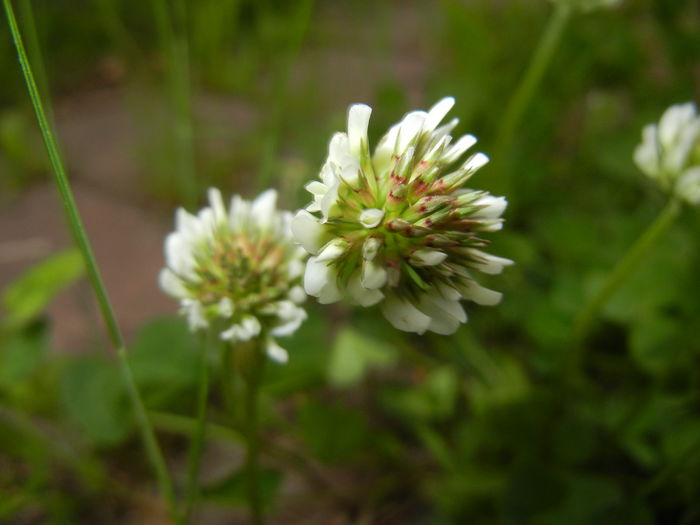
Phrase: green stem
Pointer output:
(298, 29)
(624, 267)
(148, 435)
(77, 229)
(531, 80)
(172, 34)
(254, 377)
(197, 443)
(26, 15)
(228, 383)
(67, 198)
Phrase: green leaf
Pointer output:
(21, 355)
(354, 354)
(233, 489)
(587, 498)
(333, 433)
(433, 398)
(28, 296)
(655, 346)
(93, 396)
(164, 356)
(308, 354)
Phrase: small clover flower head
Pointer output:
(670, 152)
(396, 227)
(237, 271)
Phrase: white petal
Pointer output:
(290, 316)
(458, 148)
(178, 255)
(195, 314)
(437, 113)
(358, 120)
(332, 250)
(404, 316)
(373, 275)
(371, 218)
(648, 153)
(217, 204)
(678, 156)
(316, 188)
(492, 207)
(448, 292)
(250, 327)
(488, 263)
(225, 307)
(308, 232)
(479, 294)
(315, 276)
(361, 295)
(329, 202)
(688, 186)
(673, 121)
(187, 224)
(411, 126)
(297, 294)
(276, 352)
(239, 214)
(386, 146)
(264, 210)
(320, 281)
(371, 247)
(424, 257)
(171, 284)
(445, 314)
(475, 162)
(295, 268)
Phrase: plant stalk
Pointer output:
(198, 437)
(298, 27)
(623, 268)
(78, 231)
(254, 377)
(530, 81)
(172, 34)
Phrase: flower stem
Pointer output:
(531, 79)
(77, 229)
(636, 253)
(172, 34)
(197, 443)
(297, 30)
(148, 435)
(254, 377)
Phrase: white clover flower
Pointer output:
(670, 152)
(237, 271)
(396, 228)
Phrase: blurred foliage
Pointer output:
(487, 426)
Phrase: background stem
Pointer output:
(624, 267)
(252, 433)
(197, 443)
(529, 83)
(78, 231)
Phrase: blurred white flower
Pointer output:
(237, 271)
(670, 152)
(397, 228)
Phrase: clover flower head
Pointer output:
(396, 227)
(237, 271)
(670, 152)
